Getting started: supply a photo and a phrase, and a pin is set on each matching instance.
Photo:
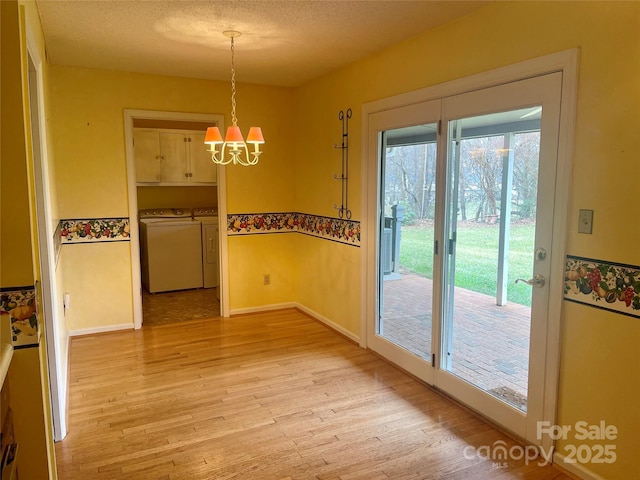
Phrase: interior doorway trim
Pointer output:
(56, 335)
(565, 62)
(136, 275)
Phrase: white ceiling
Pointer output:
(283, 42)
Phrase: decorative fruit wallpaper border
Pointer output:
(329, 228)
(606, 285)
(20, 306)
(57, 241)
(94, 230)
(117, 229)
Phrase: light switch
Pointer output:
(585, 221)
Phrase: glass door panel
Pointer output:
(493, 177)
(404, 324)
(407, 205)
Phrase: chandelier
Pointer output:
(234, 149)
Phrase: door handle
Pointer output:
(537, 281)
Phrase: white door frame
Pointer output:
(134, 233)
(565, 62)
(55, 332)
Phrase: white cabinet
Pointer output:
(172, 157)
(202, 168)
(146, 148)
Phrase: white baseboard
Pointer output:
(107, 328)
(263, 308)
(330, 323)
(578, 469)
(315, 315)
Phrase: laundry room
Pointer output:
(177, 197)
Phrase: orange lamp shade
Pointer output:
(255, 135)
(213, 136)
(234, 135)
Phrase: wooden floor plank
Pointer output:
(263, 396)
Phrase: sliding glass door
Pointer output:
(464, 231)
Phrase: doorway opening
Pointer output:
(176, 199)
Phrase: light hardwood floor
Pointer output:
(265, 396)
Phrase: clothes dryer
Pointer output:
(208, 218)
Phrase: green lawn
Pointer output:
(476, 257)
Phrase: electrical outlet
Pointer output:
(585, 221)
(267, 279)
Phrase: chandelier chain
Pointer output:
(234, 119)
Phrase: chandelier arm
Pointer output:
(218, 158)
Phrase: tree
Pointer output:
(410, 177)
(481, 173)
(410, 172)
(525, 173)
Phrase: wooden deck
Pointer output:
(266, 396)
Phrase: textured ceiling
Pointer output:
(283, 42)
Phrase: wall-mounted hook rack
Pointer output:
(343, 209)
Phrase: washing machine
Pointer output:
(208, 218)
(170, 250)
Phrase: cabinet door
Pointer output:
(146, 148)
(202, 169)
(173, 148)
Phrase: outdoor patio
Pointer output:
(490, 343)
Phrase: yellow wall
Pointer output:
(88, 140)
(98, 279)
(30, 415)
(16, 263)
(177, 197)
(600, 372)
(88, 136)
(329, 281)
(600, 368)
(253, 256)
